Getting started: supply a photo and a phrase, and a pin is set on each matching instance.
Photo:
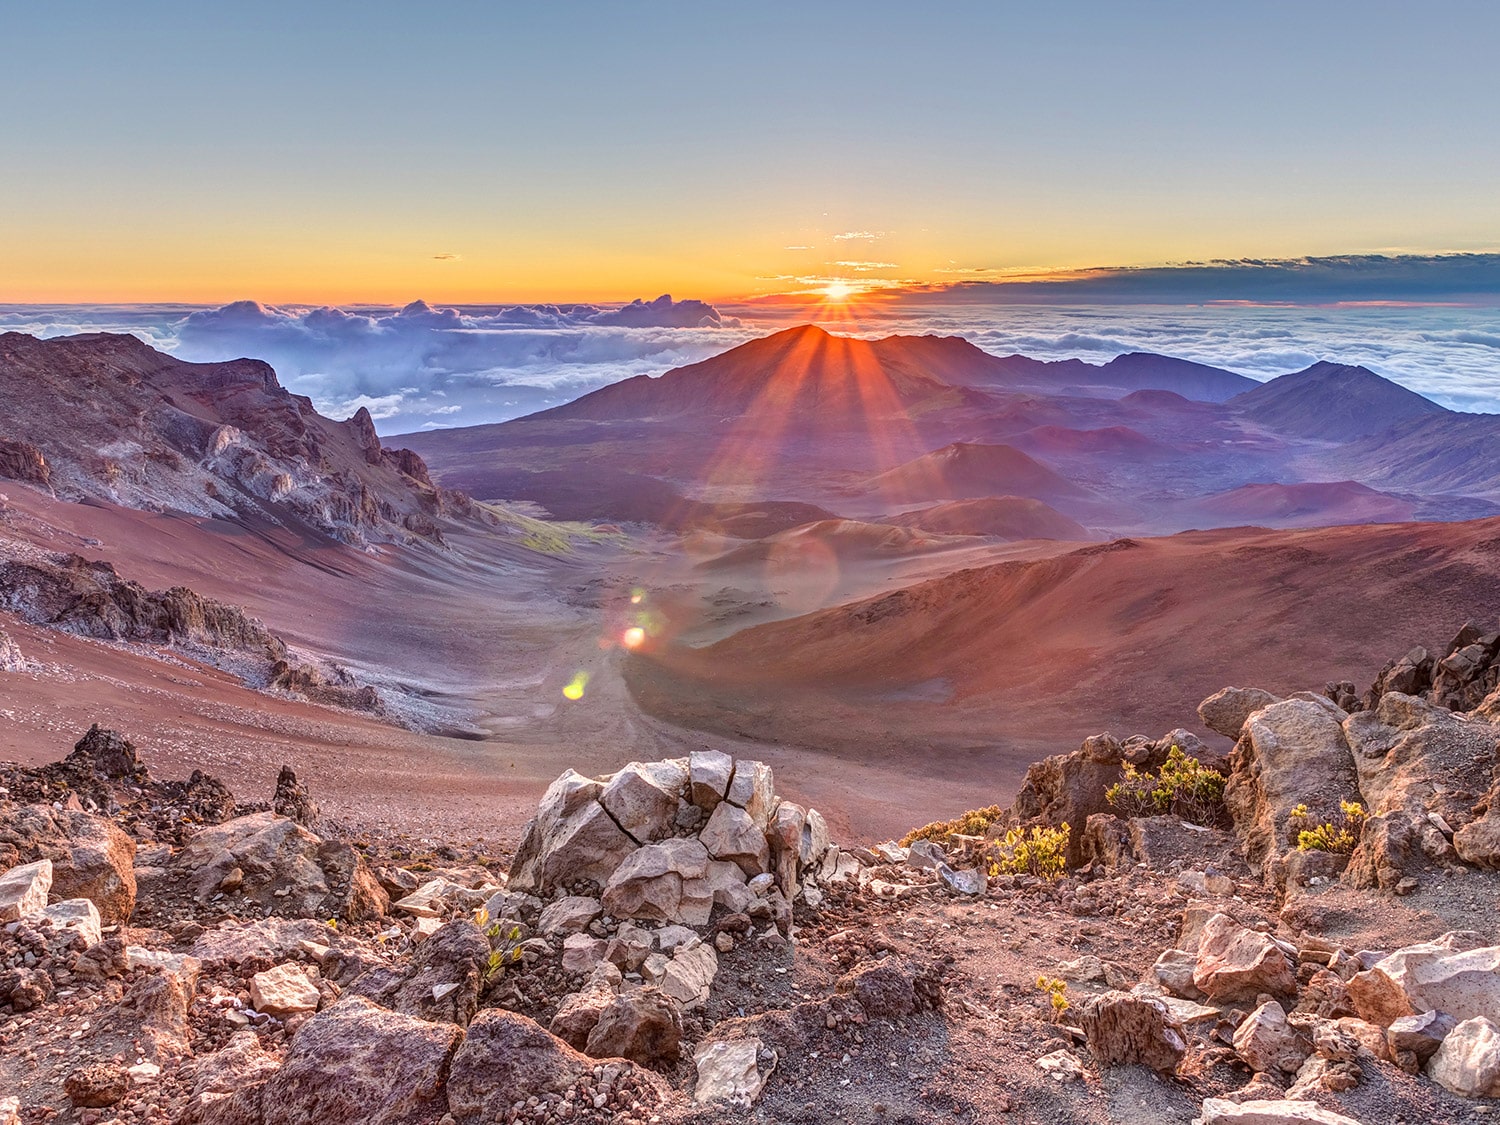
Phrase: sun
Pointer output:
(838, 291)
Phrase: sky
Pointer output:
(482, 153)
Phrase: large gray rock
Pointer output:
(649, 882)
(1235, 963)
(578, 1014)
(1416, 758)
(642, 798)
(507, 1058)
(643, 1025)
(23, 890)
(570, 914)
(732, 834)
(1447, 975)
(1468, 1062)
(91, 858)
(442, 981)
(265, 941)
(282, 867)
(709, 776)
(1277, 1111)
(788, 825)
(571, 837)
(1420, 1034)
(357, 1063)
(1290, 753)
(753, 789)
(1267, 1042)
(729, 1071)
(1225, 711)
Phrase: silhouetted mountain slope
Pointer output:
(804, 372)
(1333, 402)
(1447, 452)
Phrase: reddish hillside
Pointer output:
(1001, 517)
(1063, 441)
(800, 376)
(964, 471)
(1129, 635)
(1323, 504)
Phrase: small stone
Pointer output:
(1267, 1042)
(1468, 1061)
(97, 1085)
(23, 890)
(283, 991)
(729, 1071)
(76, 914)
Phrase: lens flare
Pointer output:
(637, 596)
(633, 637)
(574, 687)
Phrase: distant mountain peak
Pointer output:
(1333, 402)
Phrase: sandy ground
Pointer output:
(490, 634)
(882, 720)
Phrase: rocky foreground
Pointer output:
(1311, 939)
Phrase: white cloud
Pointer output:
(865, 235)
(421, 367)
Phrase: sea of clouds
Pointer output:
(422, 367)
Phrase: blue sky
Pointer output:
(346, 152)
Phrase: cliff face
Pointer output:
(107, 417)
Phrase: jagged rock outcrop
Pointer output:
(90, 857)
(22, 461)
(276, 865)
(1226, 710)
(1123, 1029)
(209, 439)
(1290, 753)
(354, 1062)
(669, 841)
(1459, 680)
(292, 799)
(91, 599)
(443, 981)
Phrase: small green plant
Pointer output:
(1042, 852)
(1310, 836)
(505, 947)
(1057, 994)
(1184, 786)
(975, 822)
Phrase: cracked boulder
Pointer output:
(275, 864)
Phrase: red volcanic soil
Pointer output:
(964, 470)
(1001, 517)
(848, 541)
(984, 670)
(1302, 505)
(1063, 441)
